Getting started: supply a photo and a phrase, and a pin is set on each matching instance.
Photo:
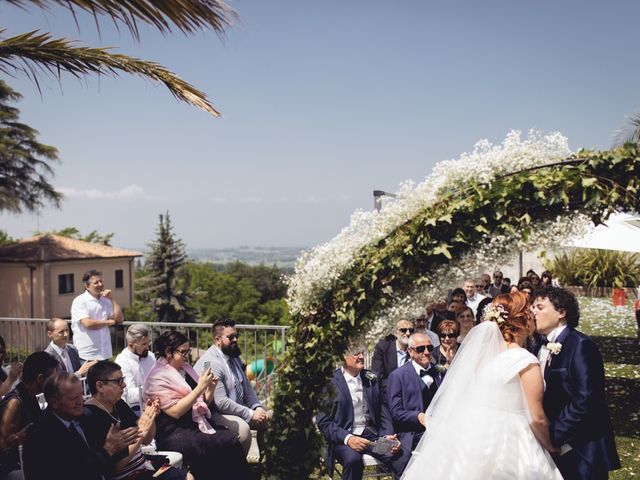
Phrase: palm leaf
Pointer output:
(33, 53)
(187, 15)
(630, 132)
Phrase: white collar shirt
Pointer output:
(357, 394)
(64, 355)
(543, 353)
(135, 370)
(427, 379)
(472, 302)
(403, 355)
(95, 343)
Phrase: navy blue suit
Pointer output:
(385, 360)
(336, 422)
(408, 396)
(574, 401)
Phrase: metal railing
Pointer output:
(262, 346)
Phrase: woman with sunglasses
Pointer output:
(105, 409)
(185, 422)
(448, 331)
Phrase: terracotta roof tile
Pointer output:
(51, 248)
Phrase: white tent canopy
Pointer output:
(620, 232)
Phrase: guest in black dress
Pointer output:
(105, 408)
(19, 409)
(184, 423)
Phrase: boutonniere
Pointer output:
(554, 347)
(369, 375)
(440, 368)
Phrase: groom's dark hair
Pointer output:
(562, 300)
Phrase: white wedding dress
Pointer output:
(478, 422)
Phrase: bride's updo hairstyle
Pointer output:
(512, 314)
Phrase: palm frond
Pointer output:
(186, 15)
(630, 132)
(33, 53)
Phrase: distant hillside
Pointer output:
(283, 257)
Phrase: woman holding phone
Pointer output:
(184, 423)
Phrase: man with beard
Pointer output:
(136, 362)
(234, 396)
(391, 352)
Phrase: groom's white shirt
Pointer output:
(543, 354)
(543, 357)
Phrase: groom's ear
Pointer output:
(562, 315)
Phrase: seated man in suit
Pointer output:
(65, 353)
(409, 392)
(56, 447)
(391, 352)
(234, 396)
(355, 417)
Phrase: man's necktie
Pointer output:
(75, 434)
(238, 381)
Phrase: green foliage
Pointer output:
(266, 279)
(593, 267)
(73, 232)
(163, 287)
(235, 293)
(595, 183)
(25, 163)
(5, 238)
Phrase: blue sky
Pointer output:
(322, 103)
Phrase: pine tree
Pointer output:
(25, 163)
(163, 285)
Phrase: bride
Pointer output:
(486, 420)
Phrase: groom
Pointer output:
(574, 398)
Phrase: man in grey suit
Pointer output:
(234, 396)
(65, 353)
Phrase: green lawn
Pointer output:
(615, 332)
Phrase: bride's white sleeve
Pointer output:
(515, 361)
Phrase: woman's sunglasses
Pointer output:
(448, 335)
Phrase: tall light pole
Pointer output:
(377, 198)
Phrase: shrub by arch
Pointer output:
(589, 182)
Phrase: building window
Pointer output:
(119, 278)
(65, 283)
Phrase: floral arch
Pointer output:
(469, 214)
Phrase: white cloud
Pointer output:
(126, 193)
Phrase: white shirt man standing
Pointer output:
(473, 297)
(136, 362)
(92, 313)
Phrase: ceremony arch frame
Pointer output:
(461, 221)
